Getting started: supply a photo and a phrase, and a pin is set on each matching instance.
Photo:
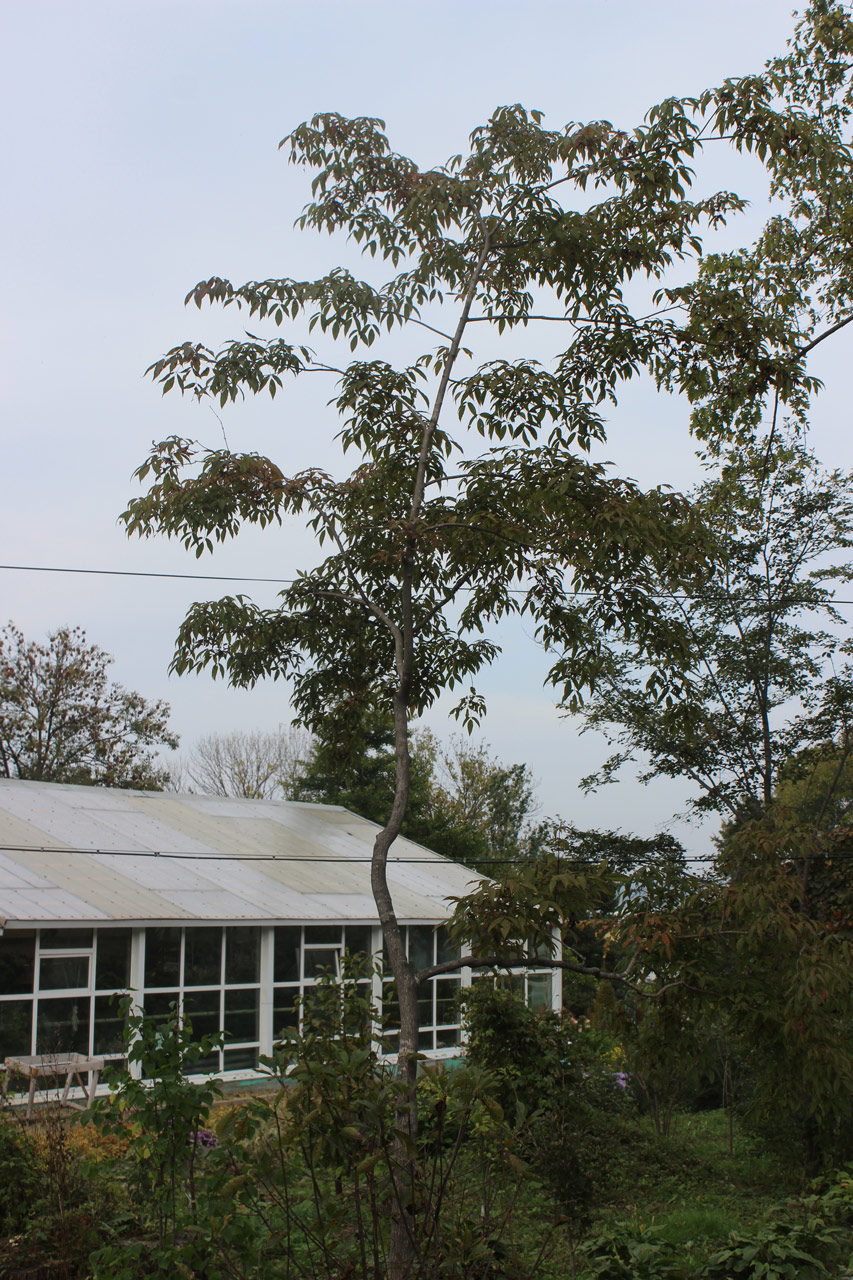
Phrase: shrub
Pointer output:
(630, 1255)
(20, 1184)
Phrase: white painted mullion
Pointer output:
(265, 1013)
(137, 984)
(557, 974)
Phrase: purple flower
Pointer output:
(204, 1138)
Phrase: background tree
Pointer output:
(763, 733)
(61, 720)
(463, 802)
(252, 764)
(493, 799)
(770, 694)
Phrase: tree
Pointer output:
(770, 693)
(61, 720)
(430, 541)
(492, 799)
(463, 803)
(251, 764)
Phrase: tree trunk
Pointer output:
(402, 1247)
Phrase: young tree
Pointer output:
(431, 540)
(61, 720)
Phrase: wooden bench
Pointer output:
(57, 1064)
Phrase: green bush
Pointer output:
(556, 1083)
(20, 1185)
(808, 1237)
(630, 1255)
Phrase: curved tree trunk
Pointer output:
(401, 1254)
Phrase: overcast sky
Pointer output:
(140, 155)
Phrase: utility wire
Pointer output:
(140, 573)
(284, 582)
(279, 857)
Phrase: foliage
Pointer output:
(561, 1092)
(665, 1047)
(763, 732)
(748, 962)
(20, 1185)
(61, 720)
(494, 800)
(522, 1049)
(316, 1162)
(770, 692)
(805, 1239)
(53, 1205)
(620, 852)
(630, 1255)
(166, 1113)
(252, 764)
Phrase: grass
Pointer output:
(688, 1188)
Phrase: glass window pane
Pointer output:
(285, 1009)
(421, 946)
(16, 1028)
(241, 1014)
(544, 950)
(426, 1041)
(447, 1038)
(202, 957)
(445, 949)
(330, 934)
(64, 939)
(288, 939)
(320, 960)
(112, 963)
(242, 954)
(447, 1000)
(241, 1059)
(202, 1009)
(539, 991)
(425, 1011)
(109, 1027)
(358, 939)
(162, 957)
(63, 1025)
(206, 1066)
(158, 1006)
(17, 962)
(63, 972)
(390, 1006)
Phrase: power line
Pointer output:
(168, 855)
(140, 573)
(279, 857)
(284, 582)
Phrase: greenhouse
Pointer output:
(230, 909)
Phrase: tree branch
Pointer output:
(537, 962)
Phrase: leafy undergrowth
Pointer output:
(686, 1192)
(658, 1207)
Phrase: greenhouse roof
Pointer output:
(97, 855)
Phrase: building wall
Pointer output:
(58, 985)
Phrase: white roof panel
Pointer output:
(87, 853)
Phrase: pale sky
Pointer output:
(140, 155)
